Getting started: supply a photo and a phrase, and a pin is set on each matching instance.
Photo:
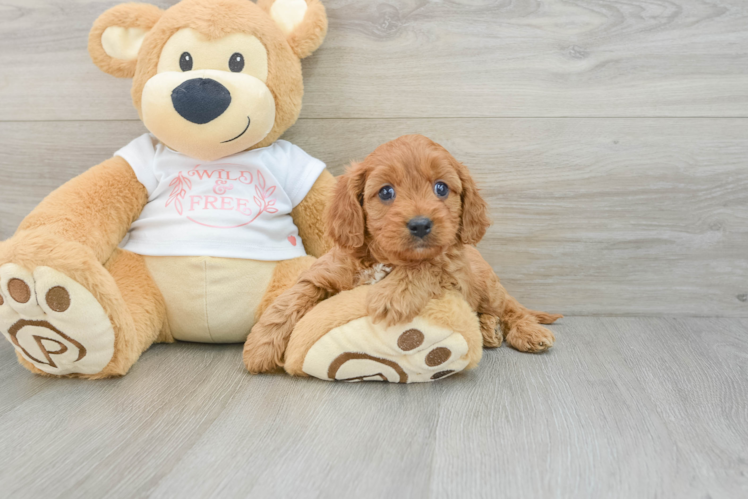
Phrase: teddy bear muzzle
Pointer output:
(208, 114)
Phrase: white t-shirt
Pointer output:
(238, 207)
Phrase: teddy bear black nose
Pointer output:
(419, 226)
(201, 100)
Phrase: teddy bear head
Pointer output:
(212, 78)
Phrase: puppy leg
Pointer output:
(545, 318)
(489, 327)
(266, 343)
(521, 328)
(519, 324)
(285, 275)
(403, 294)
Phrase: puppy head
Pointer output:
(409, 200)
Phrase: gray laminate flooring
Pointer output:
(622, 407)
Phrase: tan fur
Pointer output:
(367, 231)
(143, 298)
(38, 247)
(489, 325)
(309, 215)
(133, 15)
(124, 289)
(308, 36)
(77, 228)
(266, 343)
(309, 218)
(519, 325)
(94, 209)
(215, 19)
(285, 275)
(452, 312)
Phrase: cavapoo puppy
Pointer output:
(412, 212)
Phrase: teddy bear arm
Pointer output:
(309, 215)
(94, 209)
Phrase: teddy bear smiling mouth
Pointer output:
(249, 121)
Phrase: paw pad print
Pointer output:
(365, 351)
(54, 322)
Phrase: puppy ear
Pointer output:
(304, 22)
(116, 37)
(475, 219)
(345, 217)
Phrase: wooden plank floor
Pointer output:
(623, 407)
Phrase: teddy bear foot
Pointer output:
(54, 323)
(445, 339)
(362, 350)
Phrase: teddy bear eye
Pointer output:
(236, 63)
(186, 62)
(387, 194)
(441, 190)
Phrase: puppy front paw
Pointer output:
(530, 337)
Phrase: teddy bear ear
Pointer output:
(304, 22)
(116, 37)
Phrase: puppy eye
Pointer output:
(186, 62)
(236, 63)
(441, 190)
(387, 194)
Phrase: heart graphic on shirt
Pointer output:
(292, 239)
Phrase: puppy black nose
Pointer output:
(419, 226)
(201, 100)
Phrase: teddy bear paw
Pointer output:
(362, 350)
(53, 322)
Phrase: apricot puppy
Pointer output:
(412, 210)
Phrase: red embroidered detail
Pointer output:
(292, 239)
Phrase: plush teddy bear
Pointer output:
(217, 215)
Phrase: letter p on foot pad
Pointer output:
(53, 322)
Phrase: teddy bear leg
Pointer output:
(60, 327)
(144, 300)
(338, 341)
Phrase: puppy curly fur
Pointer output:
(368, 232)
